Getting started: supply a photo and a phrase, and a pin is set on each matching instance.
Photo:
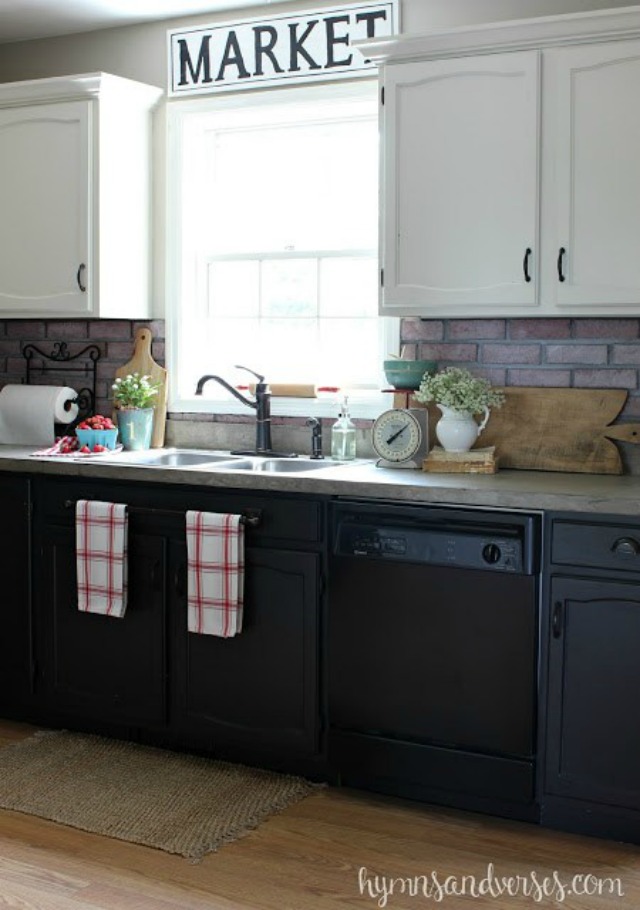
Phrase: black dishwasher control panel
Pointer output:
(432, 547)
(439, 538)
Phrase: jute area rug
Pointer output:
(176, 802)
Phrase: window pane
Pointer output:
(297, 193)
(289, 349)
(290, 287)
(234, 288)
(348, 345)
(228, 342)
(349, 287)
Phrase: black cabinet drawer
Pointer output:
(278, 517)
(596, 546)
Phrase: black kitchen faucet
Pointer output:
(262, 406)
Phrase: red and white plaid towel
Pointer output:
(101, 557)
(215, 554)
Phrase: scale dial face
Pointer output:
(397, 435)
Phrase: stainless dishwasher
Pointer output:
(432, 643)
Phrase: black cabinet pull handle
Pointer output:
(81, 270)
(525, 264)
(556, 619)
(561, 255)
(626, 547)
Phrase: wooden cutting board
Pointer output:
(142, 362)
(556, 430)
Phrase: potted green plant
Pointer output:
(134, 398)
(459, 395)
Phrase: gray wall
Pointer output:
(139, 52)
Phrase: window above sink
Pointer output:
(273, 246)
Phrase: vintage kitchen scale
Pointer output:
(400, 437)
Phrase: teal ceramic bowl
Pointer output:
(91, 438)
(407, 374)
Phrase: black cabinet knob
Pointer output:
(556, 619)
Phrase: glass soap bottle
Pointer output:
(343, 435)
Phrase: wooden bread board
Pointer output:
(553, 429)
(143, 363)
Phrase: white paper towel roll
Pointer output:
(28, 412)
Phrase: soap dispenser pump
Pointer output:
(343, 435)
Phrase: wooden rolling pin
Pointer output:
(286, 389)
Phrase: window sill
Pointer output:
(360, 407)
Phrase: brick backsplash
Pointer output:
(580, 353)
(114, 338)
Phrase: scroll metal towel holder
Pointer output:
(60, 360)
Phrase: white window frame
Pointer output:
(365, 403)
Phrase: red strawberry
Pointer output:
(85, 450)
(98, 448)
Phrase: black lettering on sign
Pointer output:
(278, 49)
(203, 63)
(296, 46)
(232, 57)
(266, 49)
(333, 39)
(370, 19)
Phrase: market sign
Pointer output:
(276, 50)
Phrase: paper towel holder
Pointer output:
(58, 361)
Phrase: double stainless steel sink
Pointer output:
(187, 458)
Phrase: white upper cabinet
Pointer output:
(75, 197)
(460, 182)
(511, 169)
(44, 234)
(593, 210)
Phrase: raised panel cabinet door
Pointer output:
(593, 737)
(460, 184)
(98, 667)
(595, 215)
(259, 689)
(44, 200)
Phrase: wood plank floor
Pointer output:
(308, 858)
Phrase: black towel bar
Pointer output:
(251, 518)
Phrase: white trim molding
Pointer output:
(512, 35)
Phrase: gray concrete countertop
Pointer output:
(527, 490)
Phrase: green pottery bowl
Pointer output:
(407, 374)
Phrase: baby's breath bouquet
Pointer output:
(458, 389)
(134, 391)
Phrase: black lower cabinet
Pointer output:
(592, 779)
(102, 667)
(254, 697)
(590, 642)
(257, 691)
(16, 639)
